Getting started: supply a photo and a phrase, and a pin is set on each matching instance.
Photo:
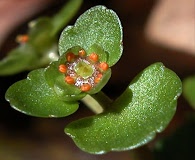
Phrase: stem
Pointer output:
(97, 102)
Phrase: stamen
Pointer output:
(62, 68)
(82, 52)
(69, 80)
(104, 66)
(85, 87)
(70, 57)
(98, 78)
(93, 57)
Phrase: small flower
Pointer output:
(22, 38)
(82, 70)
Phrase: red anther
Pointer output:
(93, 57)
(62, 68)
(85, 87)
(104, 66)
(82, 52)
(22, 38)
(70, 56)
(69, 80)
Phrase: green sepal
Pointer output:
(33, 96)
(144, 109)
(104, 80)
(67, 92)
(98, 25)
(102, 55)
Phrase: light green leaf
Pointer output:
(144, 109)
(34, 97)
(98, 25)
(189, 90)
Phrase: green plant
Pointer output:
(87, 51)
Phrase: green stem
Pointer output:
(97, 102)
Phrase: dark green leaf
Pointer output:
(189, 90)
(33, 96)
(98, 25)
(146, 107)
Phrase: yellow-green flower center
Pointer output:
(84, 69)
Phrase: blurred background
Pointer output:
(154, 31)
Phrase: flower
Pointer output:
(82, 70)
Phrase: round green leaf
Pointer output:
(34, 97)
(98, 25)
(189, 90)
(145, 108)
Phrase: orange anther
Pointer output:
(98, 78)
(70, 56)
(99, 75)
(85, 87)
(22, 38)
(62, 68)
(93, 57)
(82, 52)
(69, 80)
(104, 66)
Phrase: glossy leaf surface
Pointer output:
(33, 96)
(189, 90)
(145, 108)
(98, 25)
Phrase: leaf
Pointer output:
(189, 90)
(34, 97)
(18, 60)
(98, 25)
(145, 108)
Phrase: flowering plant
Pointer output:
(87, 51)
